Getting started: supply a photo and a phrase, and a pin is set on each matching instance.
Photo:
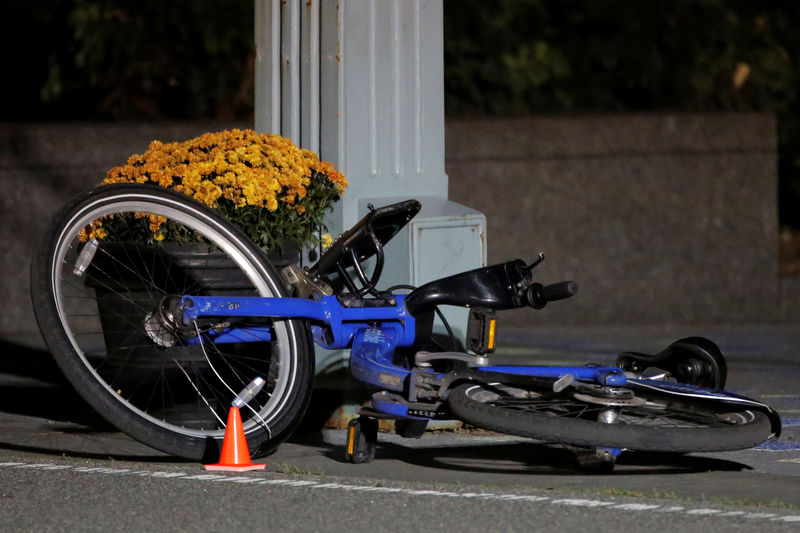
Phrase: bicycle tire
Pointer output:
(147, 380)
(660, 424)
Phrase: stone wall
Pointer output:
(659, 218)
(41, 167)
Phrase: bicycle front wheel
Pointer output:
(643, 420)
(104, 286)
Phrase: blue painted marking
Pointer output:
(790, 422)
(779, 446)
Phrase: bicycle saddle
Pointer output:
(365, 239)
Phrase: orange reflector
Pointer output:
(351, 439)
(490, 344)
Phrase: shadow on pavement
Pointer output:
(531, 458)
(43, 414)
(489, 456)
(19, 360)
(34, 386)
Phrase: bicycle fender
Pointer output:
(699, 393)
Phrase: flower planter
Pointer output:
(125, 301)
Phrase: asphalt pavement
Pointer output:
(56, 454)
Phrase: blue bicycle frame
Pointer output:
(372, 346)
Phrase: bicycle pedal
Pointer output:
(598, 460)
(362, 439)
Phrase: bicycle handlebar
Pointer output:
(538, 295)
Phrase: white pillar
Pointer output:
(361, 82)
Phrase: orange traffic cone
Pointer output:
(235, 455)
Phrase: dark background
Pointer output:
(149, 60)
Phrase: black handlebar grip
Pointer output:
(539, 295)
(559, 291)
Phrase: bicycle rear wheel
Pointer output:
(643, 420)
(108, 319)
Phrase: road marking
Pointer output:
(577, 502)
(506, 497)
(637, 507)
(703, 512)
(778, 446)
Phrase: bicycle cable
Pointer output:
(452, 337)
(200, 394)
(203, 348)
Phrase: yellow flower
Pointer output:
(325, 241)
(240, 170)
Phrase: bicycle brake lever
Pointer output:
(535, 263)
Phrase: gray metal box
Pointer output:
(445, 238)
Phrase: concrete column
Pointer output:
(361, 83)
(382, 105)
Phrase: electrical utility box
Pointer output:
(445, 238)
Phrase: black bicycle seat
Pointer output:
(366, 238)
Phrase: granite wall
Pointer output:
(41, 167)
(659, 218)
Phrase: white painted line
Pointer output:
(703, 511)
(206, 477)
(504, 497)
(169, 474)
(330, 486)
(760, 516)
(582, 503)
(428, 493)
(251, 480)
(636, 507)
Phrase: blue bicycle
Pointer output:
(159, 335)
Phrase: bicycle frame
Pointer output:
(372, 334)
(419, 393)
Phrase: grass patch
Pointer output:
(288, 468)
